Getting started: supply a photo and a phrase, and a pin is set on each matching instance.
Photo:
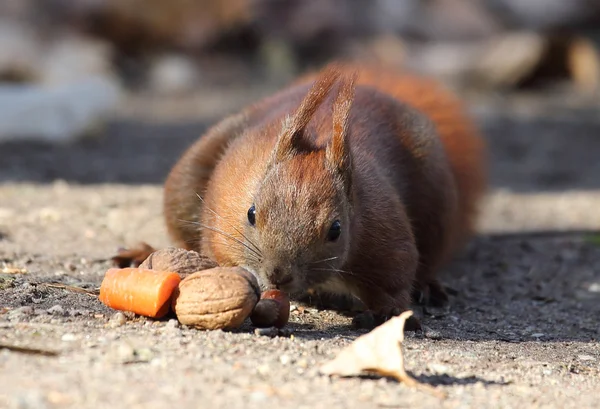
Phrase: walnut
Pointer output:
(218, 298)
(177, 260)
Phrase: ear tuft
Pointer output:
(291, 139)
(338, 149)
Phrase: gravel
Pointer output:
(522, 329)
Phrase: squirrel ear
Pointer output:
(290, 140)
(338, 149)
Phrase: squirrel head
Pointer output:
(300, 217)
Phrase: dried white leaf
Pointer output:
(379, 352)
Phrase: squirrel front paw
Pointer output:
(369, 319)
(430, 294)
(381, 306)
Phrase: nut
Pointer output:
(180, 261)
(218, 298)
(272, 310)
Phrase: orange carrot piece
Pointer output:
(144, 292)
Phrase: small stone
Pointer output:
(586, 357)
(431, 333)
(257, 396)
(68, 337)
(144, 354)
(20, 313)
(284, 359)
(56, 310)
(26, 310)
(594, 288)
(293, 307)
(130, 315)
(438, 369)
(267, 332)
(118, 319)
(264, 370)
(172, 324)
(125, 353)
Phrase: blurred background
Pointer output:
(136, 81)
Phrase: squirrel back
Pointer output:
(354, 180)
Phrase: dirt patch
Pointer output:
(522, 329)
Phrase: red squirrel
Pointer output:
(355, 180)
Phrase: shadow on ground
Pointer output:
(515, 288)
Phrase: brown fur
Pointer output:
(391, 156)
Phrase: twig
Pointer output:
(28, 350)
(74, 289)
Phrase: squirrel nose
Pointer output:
(279, 277)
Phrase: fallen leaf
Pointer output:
(378, 352)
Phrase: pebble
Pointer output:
(431, 333)
(172, 324)
(586, 357)
(257, 396)
(438, 369)
(268, 332)
(20, 313)
(27, 310)
(56, 310)
(68, 337)
(264, 370)
(118, 319)
(126, 353)
(594, 288)
(284, 359)
(302, 363)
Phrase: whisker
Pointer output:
(229, 236)
(237, 250)
(229, 223)
(342, 273)
(324, 260)
(230, 246)
(197, 244)
(332, 270)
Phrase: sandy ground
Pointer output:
(522, 331)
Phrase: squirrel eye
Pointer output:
(334, 231)
(252, 215)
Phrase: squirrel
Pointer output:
(356, 180)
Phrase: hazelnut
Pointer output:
(272, 310)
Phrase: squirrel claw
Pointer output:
(431, 294)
